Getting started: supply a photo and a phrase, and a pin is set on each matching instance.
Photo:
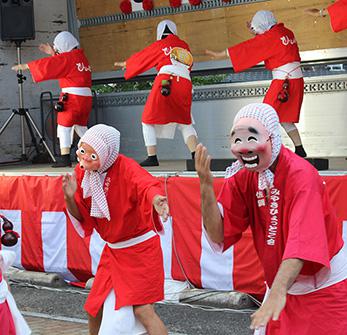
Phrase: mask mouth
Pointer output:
(250, 162)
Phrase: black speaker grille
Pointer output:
(17, 20)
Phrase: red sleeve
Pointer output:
(143, 60)
(250, 53)
(88, 223)
(147, 187)
(54, 67)
(235, 212)
(338, 15)
(307, 231)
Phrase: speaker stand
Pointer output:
(24, 116)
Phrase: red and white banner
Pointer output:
(49, 242)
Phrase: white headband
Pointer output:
(65, 42)
(262, 21)
(161, 27)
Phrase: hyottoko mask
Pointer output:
(251, 144)
(87, 157)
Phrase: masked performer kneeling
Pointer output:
(121, 201)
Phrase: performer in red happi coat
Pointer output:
(70, 66)
(169, 102)
(121, 201)
(277, 47)
(285, 202)
(337, 13)
(11, 320)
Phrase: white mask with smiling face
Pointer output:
(255, 142)
(251, 144)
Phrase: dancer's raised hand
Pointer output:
(202, 164)
(47, 49)
(69, 185)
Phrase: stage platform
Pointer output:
(328, 166)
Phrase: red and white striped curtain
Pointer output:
(49, 242)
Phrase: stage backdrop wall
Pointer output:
(214, 108)
(49, 242)
(117, 37)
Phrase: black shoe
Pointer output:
(64, 161)
(150, 161)
(300, 151)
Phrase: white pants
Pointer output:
(151, 132)
(121, 321)
(65, 134)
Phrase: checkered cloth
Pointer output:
(105, 140)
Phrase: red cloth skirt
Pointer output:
(136, 274)
(175, 107)
(76, 111)
(6, 321)
(323, 312)
(287, 111)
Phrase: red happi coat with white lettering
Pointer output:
(276, 47)
(294, 220)
(71, 69)
(338, 15)
(161, 109)
(135, 273)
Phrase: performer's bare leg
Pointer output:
(192, 142)
(94, 323)
(293, 133)
(65, 151)
(151, 150)
(150, 320)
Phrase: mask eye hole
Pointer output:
(252, 138)
(94, 157)
(237, 140)
(82, 151)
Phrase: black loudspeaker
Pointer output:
(17, 20)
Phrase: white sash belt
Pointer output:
(175, 70)
(83, 91)
(289, 70)
(133, 241)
